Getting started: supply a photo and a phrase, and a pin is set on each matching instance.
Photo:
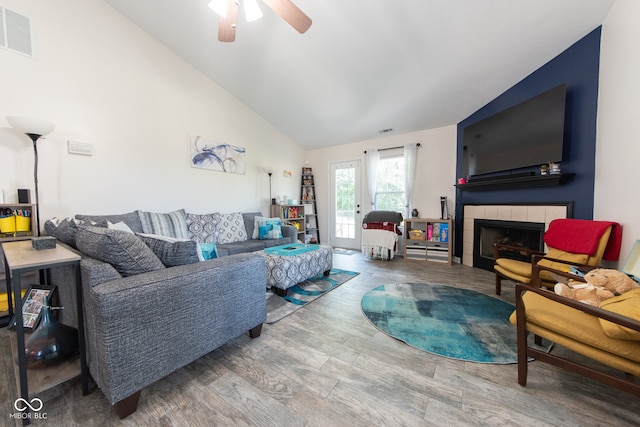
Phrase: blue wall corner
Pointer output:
(578, 68)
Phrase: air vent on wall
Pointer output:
(15, 32)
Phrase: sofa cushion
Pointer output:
(275, 242)
(267, 228)
(132, 219)
(203, 228)
(172, 224)
(64, 230)
(627, 304)
(231, 228)
(249, 222)
(242, 247)
(172, 251)
(124, 251)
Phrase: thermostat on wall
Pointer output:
(83, 148)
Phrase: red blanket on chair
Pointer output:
(582, 236)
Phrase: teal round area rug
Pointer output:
(451, 322)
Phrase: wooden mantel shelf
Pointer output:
(507, 183)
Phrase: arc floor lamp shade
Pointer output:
(34, 128)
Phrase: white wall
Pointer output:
(435, 174)
(618, 140)
(102, 80)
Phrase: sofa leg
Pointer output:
(327, 273)
(255, 331)
(128, 405)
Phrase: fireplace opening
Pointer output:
(515, 233)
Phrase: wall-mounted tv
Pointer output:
(528, 134)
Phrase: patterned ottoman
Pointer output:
(288, 265)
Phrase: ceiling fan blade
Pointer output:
(227, 26)
(290, 13)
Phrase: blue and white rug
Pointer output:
(303, 293)
(451, 322)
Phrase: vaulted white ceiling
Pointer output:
(368, 65)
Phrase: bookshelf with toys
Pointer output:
(428, 240)
(292, 215)
(308, 199)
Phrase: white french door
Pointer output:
(344, 205)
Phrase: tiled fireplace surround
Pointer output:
(524, 213)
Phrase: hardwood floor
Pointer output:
(326, 365)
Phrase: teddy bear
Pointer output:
(601, 284)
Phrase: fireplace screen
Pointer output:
(514, 233)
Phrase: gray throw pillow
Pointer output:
(124, 251)
(203, 228)
(64, 230)
(132, 219)
(172, 252)
(172, 224)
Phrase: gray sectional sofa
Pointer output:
(144, 320)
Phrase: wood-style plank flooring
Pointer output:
(326, 365)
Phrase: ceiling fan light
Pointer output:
(252, 10)
(219, 7)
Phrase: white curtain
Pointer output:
(372, 157)
(410, 163)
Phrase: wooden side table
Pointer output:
(21, 258)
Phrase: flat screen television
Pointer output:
(528, 134)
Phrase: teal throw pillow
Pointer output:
(207, 251)
(269, 228)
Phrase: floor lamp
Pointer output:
(269, 172)
(34, 128)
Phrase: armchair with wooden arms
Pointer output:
(609, 334)
(596, 237)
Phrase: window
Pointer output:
(390, 184)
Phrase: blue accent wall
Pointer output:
(578, 68)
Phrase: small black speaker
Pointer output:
(24, 195)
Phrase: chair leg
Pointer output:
(498, 284)
(521, 332)
(523, 363)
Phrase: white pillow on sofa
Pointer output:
(231, 228)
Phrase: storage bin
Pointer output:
(8, 224)
(4, 302)
(23, 223)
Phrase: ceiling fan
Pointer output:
(228, 11)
